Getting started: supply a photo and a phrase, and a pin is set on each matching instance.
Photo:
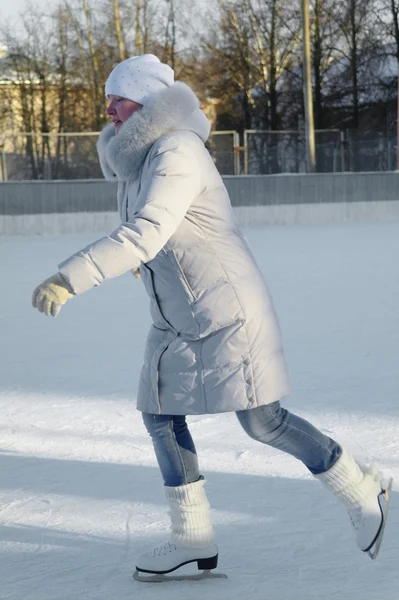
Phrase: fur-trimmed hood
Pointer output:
(175, 108)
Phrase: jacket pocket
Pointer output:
(158, 317)
(155, 367)
(182, 276)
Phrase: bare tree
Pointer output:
(255, 47)
(353, 49)
(170, 35)
(31, 75)
(394, 29)
(230, 50)
(62, 19)
(276, 31)
(98, 105)
(243, 56)
(324, 34)
(119, 31)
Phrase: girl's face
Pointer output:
(120, 109)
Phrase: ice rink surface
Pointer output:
(80, 492)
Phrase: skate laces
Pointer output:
(163, 549)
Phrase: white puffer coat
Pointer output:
(215, 344)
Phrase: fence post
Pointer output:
(342, 148)
(4, 174)
(389, 152)
(307, 90)
(237, 151)
(245, 152)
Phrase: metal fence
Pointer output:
(224, 149)
(47, 156)
(374, 151)
(268, 152)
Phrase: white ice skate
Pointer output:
(366, 495)
(370, 518)
(154, 566)
(191, 540)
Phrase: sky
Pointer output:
(12, 9)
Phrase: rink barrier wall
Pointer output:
(85, 206)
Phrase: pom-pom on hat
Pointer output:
(138, 78)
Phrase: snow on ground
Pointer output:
(80, 492)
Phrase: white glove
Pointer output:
(50, 295)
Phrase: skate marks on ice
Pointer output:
(386, 497)
(279, 535)
(262, 539)
(271, 530)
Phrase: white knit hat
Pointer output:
(138, 78)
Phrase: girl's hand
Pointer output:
(50, 295)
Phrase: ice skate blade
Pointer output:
(375, 548)
(160, 578)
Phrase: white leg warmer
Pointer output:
(362, 491)
(190, 515)
(348, 482)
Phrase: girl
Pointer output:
(215, 344)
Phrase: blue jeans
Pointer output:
(270, 424)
